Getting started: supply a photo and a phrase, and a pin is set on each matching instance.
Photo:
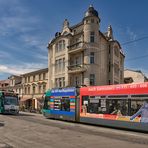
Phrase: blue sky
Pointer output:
(26, 27)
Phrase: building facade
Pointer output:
(15, 84)
(34, 87)
(83, 55)
(134, 76)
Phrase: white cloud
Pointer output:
(21, 69)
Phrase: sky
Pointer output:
(26, 27)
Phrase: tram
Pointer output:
(9, 102)
(123, 106)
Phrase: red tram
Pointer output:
(113, 105)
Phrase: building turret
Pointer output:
(91, 25)
(91, 39)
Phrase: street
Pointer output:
(29, 130)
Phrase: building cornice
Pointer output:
(35, 72)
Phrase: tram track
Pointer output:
(130, 136)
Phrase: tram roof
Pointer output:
(121, 89)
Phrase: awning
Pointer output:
(25, 99)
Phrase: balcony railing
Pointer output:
(76, 46)
(76, 68)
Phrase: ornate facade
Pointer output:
(83, 55)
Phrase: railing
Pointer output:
(76, 68)
(76, 46)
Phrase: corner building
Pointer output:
(83, 55)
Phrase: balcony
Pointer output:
(76, 68)
(77, 47)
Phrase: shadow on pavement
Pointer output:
(25, 114)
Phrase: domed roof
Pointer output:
(91, 12)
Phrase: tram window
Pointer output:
(85, 101)
(65, 104)
(136, 105)
(47, 103)
(93, 105)
(117, 106)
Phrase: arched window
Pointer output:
(60, 46)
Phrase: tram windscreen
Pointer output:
(9, 100)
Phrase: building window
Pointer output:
(44, 88)
(109, 82)
(28, 90)
(25, 79)
(19, 91)
(109, 51)
(77, 83)
(56, 82)
(121, 75)
(28, 79)
(56, 65)
(109, 67)
(60, 46)
(44, 76)
(60, 82)
(63, 81)
(39, 89)
(92, 37)
(60, 65)
(74, 31)
(77, 61)
(92, 20)
(116, 70)
(33, 88)
(33, 78)
(39, 76)
(92, 79)
(92, 58)
(63, 69)
(25, 90)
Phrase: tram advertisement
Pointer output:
(115, 102)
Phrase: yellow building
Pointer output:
(34, 87)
